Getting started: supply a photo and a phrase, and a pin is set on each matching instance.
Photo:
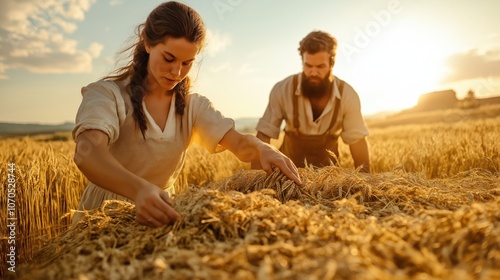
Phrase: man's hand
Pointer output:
(360, 155)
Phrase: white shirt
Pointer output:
(349, 123)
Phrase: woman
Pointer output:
(133, 128)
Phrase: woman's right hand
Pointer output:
(92, 156)
(154, 207)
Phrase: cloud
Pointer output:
(77, 62)
(115, 2)
(473, 64)
(34, 36)
(95, 50)
(3, 68)
(216, 42)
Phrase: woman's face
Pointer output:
(169, 62)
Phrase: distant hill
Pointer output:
(452, 115)
(31, 128)
(15, 129)
(380, 115)
(246, 124)
(431, 108)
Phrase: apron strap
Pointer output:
(295, 103)
(337, 105)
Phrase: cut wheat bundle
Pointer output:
(338, 225)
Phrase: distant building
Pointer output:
(447, 99)
(437, 100)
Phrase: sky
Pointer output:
(390, 51)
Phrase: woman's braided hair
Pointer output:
(170, 19)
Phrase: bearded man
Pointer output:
(317, 107)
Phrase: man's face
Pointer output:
(316, 71)
(316, 67)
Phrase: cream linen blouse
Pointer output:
(159, 158)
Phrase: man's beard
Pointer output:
(316, 89)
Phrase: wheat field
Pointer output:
(429, 210)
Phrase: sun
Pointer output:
(399, 65)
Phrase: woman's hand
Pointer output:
(270, 157)
(154, 207)
(249, 148)
(92, 156)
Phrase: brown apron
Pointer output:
(301, 147)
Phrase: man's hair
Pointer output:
(318, 41)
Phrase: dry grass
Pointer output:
(47, 186)
(349, 226)
(430, 210)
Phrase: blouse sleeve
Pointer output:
(102, 108)
(209, 125)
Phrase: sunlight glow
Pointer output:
(399, 66)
